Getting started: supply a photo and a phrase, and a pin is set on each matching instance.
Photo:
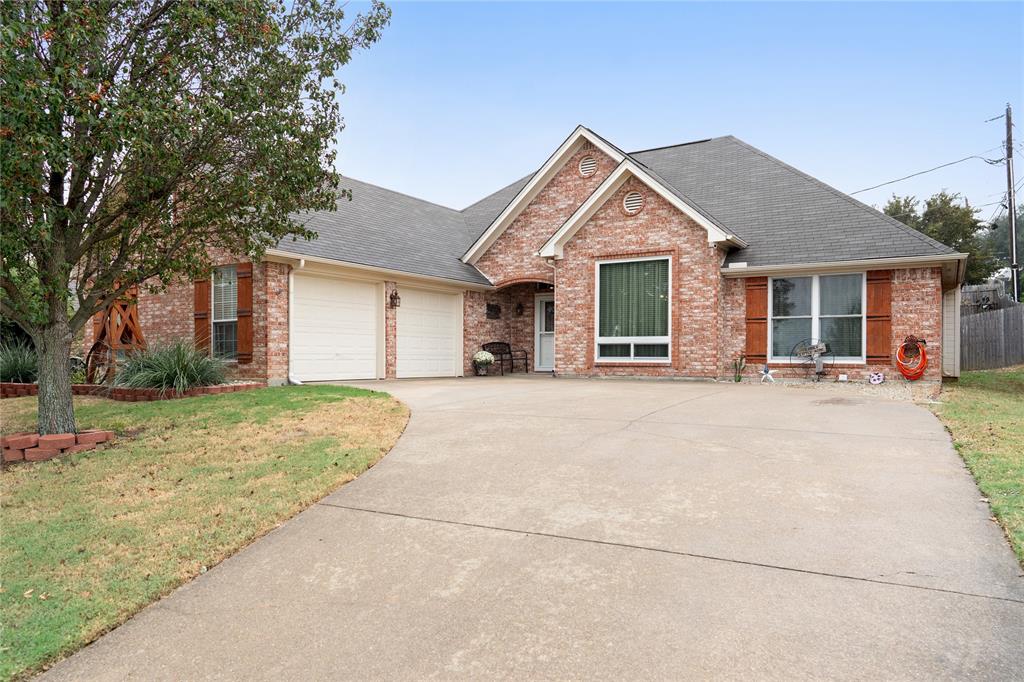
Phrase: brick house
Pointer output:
(668, 262)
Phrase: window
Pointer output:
(826, 307)
(225, 312)
(633, 310)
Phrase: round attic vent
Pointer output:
(588, 166)
(633, 202)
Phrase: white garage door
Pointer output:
(429, 334)
(334, 329)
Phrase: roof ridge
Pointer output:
(842, 195)
(408, 196)
(680, 144)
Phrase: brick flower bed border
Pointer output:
(13, 390)
(31, 447)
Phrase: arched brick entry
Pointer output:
(510, 317)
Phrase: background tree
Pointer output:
(998, 238)
(948, 219)
(137, 134)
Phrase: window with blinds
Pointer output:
(225, 312)
(829, 308)
(633, 310)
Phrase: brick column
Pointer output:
(390, 331)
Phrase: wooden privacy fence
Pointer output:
(991, 339)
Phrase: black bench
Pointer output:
(503, 353)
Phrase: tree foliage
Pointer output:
(998, 237)
(138, 134)
(948, 219)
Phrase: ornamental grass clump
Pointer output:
(18, 362)
(176, 367)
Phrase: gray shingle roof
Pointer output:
(480, 215)
(387, 229)
(784, 215)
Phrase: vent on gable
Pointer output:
(588, 166)
(633, 202)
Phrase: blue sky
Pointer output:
(460, 99)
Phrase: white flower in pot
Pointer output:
(481, 361)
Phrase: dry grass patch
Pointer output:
(104, 533)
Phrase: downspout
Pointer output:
(291, 306)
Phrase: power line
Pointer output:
(951, 163)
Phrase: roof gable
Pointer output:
(626, 169)
(535, 184)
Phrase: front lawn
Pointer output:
(984, 412)
(90, 539)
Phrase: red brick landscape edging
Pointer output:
(15, 390)
(32, 447)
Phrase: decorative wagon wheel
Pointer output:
(99, 363)
(814, 357)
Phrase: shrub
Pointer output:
(175, 367)
(18, 362)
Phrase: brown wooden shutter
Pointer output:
(244, 272)
(201, 315)
(757, 319)
(879, 316)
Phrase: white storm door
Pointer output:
(544, 324)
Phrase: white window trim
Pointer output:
(598, 340)
(213, 308)
(816, 317)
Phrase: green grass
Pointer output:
(984, 412)
(90, 539)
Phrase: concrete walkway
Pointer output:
(550, 528)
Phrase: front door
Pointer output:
(544, 323)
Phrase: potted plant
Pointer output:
(481, 361)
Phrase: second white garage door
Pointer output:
(334, 329)
(429, 335)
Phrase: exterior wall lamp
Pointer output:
(395, 300)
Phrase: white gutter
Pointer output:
(742, 270)
(384, 272)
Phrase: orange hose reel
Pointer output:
(912, 358)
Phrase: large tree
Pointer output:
(137, 134)
(947, 218)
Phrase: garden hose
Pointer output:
(912, 358)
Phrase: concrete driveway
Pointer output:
(551, 528)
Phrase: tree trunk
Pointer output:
(56, 409)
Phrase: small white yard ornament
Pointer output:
(766, 375)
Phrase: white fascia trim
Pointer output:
(868, 264)
(393, 275)
(534, 186)
(554, 246)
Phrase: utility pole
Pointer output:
(1012, 199)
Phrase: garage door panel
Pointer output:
(429, 339)
(334, 329)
